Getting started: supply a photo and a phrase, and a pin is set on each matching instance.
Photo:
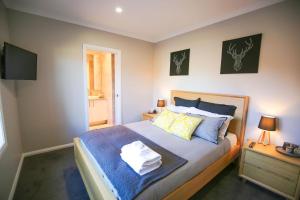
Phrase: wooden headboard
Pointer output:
(238, 124)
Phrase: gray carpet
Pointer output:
(54, 176)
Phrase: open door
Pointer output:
(102, 81)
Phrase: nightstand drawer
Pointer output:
(273, 166)
(270, 179)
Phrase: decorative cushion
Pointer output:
(221, 109)
(184, 126)
(209, 128)
(165, 119)
(224, 127)
(178, 109)
(186, 102)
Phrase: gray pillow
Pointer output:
(209, 128)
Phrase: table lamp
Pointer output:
(161, 103)
(267, 124)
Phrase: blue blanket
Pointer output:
(105, 146)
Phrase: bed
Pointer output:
(188, 179)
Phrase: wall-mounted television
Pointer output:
(18, 63)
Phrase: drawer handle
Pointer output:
(259, 167)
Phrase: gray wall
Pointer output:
(274, 90)
(52, 108)
(10, 157)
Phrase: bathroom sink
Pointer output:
(93, 97)
(96, 97)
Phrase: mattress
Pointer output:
(232, 139)
(199, 153)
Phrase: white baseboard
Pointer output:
(31, 153)
(14, 185)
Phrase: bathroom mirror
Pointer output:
(94, 63)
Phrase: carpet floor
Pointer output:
(54, 176)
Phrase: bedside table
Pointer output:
(264, 166)
(147, 116)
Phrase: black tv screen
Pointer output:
(18, 63)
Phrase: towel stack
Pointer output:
(140, 158)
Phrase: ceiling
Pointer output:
(149, 20)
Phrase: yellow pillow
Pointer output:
(184, 126)
(165, 119)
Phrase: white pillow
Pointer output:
(178, 109)
(225, 125)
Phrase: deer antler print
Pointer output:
(179, 62)
(238, 57)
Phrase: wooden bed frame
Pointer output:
(98, 189)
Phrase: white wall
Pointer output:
(52, 108)
(274, 90)
(10, 157)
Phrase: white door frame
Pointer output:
(118, 108)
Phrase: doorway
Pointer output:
(102, 77)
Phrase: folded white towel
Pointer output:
(141, 170)
(139, 161)
(137, 146)
(140, 158)
(140, 154)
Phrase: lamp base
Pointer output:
(264, 138)
(159, 109)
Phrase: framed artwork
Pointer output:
(179, 62)
(241, 55)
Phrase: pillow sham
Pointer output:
(209, 128)
(221, 109)
(165, 119)
(186, 102)
(184, 126)
(178, 109)
(224, 127)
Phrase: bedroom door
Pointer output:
(102, 83)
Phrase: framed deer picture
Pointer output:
(241, 55)
(179, 62)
